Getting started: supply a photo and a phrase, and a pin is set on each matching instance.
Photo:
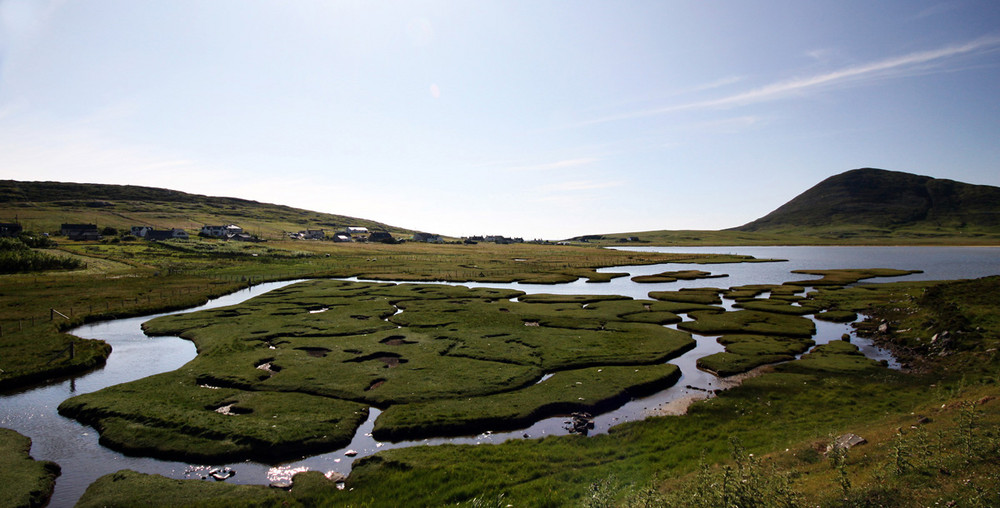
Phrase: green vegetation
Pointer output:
(38, 353)
(748, 321)
(844, 277)
(459, 359)
(38, 308)
(135, 278)
(784, 418)
(296, 368)
(704, 297)
(674, 276)
(18, 257)
(744, 352)
(159, 491)
(27, 482)
(44, 206)
(592, 389)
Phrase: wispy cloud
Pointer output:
(583, 185)
(880, 69)
(563, 164)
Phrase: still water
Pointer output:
(75, 447)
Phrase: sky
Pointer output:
(533, 119)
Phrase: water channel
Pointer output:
(76, 449)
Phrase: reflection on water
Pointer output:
(75, 447)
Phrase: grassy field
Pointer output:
(771, 431)
(135, 278)
(796, 406)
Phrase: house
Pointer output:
(427, 238)
(314, 234)
(381, 237)
(357, 230)
(140, 231)
(342, 237)
(221, 231)
(9, 229)
(169, 234)
(80, 231)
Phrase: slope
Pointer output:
(875, 198)
(43, 206)
(864, 206)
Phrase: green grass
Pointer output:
(592, 389)
(134, 278)
(783, 416)
(844, 277)
(674, 276)
(748, 321)
(332, 348)
(27, 482)
(745, 352)
(700, 296)
(38, 308)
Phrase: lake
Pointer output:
(76, 449)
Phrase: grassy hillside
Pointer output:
(880, 199)
(861, 206)
(43, 206)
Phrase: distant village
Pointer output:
(233, 232)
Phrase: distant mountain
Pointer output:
(859, 207)
(870, 199)
(43, 206)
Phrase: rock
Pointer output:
(883, 328)
(221, 474)
(846, 337)
(581, 423)
(351, 453)
(336, 477)
(846, 442)
(281, 484)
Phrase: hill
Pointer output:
(861, 206)
(889, 200)
(43, 206)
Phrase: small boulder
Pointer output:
(846, 442)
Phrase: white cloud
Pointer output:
(889, 67)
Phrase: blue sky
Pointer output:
(524, 118)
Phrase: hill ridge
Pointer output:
(879, 198)
(45, 204)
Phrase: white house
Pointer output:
(221, 231)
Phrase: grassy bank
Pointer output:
(27, 482)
